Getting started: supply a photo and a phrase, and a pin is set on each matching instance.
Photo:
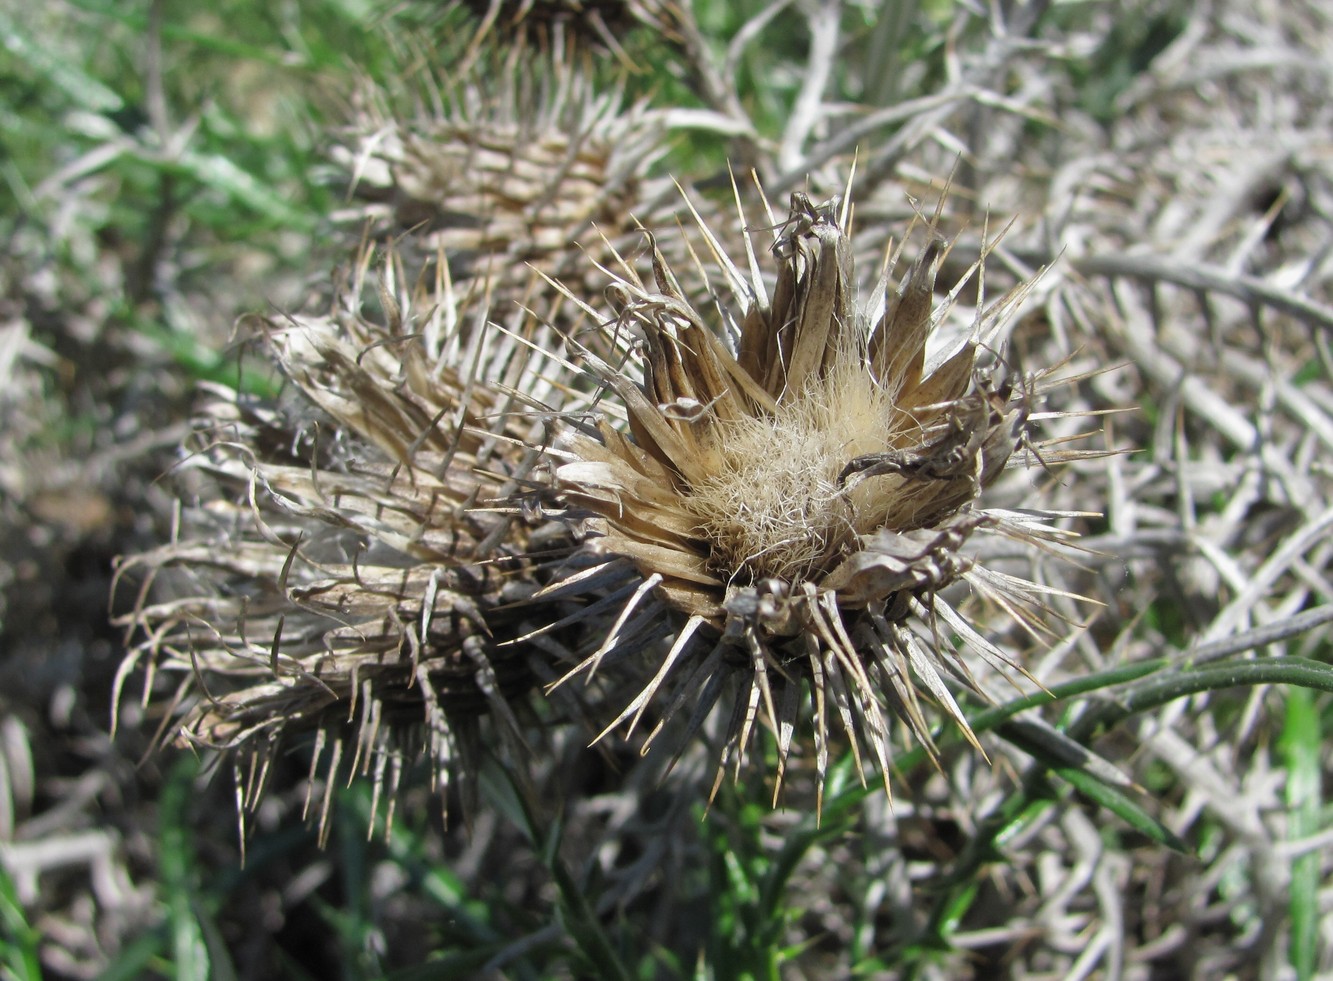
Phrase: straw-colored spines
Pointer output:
(570, 29)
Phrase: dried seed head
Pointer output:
(528, 172)
(800, 484)
(345, 581)
(564, 26)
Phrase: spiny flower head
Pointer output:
(799, 482)
(357, 562)
(369, 557)
(519, 173)
(565, 27)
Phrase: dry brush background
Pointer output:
(213, 366)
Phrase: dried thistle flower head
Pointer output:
(346, 580)
(521, 173)
(800, 483)
(564, 26)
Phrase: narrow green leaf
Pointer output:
(189, 951)
(953, 912)
(133, 18)
(222, 174)
(1055, 749)
(1093, 784)
(1122, 806)
(1300, 746)
(452, 966)
(135, 958)
(18, 941)
(585, 928)
(78, 86)
(1167, 686)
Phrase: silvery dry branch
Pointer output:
(789, 476)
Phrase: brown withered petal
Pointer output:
(356, 564)
(793, 478)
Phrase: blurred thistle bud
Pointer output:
(566, 28)
(537, 169)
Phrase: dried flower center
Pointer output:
(775, 506)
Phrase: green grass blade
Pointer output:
(135, 958)
(18, 941)
(189, 950)
(1160, 689)
(580, 919)
(1300, 746)
(1122, 806)
(45, 62)
(1093, 782)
